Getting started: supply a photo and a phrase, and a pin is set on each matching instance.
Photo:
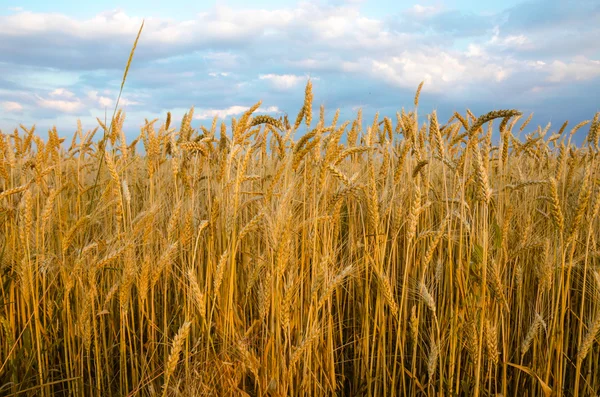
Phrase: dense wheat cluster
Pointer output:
(402, 256)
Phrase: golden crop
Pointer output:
(407, 258)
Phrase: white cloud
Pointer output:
(216, 28)
(439, 69)
(127, 102)
(270, 109)
(219, 23)
(221, 113)
(283, 81)
(578, 70)
(105, 101)
(10, 106)
(511, 41)
(538, 65)
(61, 92)
(60, 99)
(474, 50)
(345, 28)
(65, 101)
(61, 105)
(100, 100)
(204, 114)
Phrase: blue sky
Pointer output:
(61, 61)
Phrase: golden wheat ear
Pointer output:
(418, 93)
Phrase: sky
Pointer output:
(61, 61)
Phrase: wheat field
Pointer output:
(402, 256)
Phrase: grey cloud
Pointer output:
(552, 44)
(9, 85)
(553, 29)
(551, 14)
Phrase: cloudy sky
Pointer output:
(61, 61)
